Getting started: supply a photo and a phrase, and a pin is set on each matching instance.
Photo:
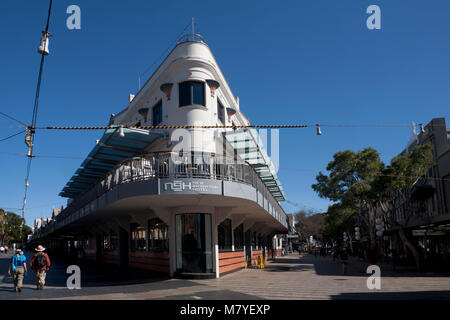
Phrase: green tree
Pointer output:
(11, 226)
(338, 219)
(309, 224)
(397, 182)
(351, 184)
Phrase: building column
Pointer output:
(98, 248)
(124, 248)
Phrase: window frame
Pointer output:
(159, 103)
(220, 111)
(191, 93)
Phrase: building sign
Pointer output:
(190, 186)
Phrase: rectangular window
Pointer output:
(224, 235)
(158, 237)
(239, 237)
(110, 241)
(191, 92)
(157, 113)
(138, 235)
(198, 92)
(220, 112)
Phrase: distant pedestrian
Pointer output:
(6, 249)
(2, 249)
(343, 255)
(40, 265)
(18, 266)
(335, 254)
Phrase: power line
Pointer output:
(42, 156)
(163, 54)
(11, 136)
(29, 138)
(223, 126)
(10, 117)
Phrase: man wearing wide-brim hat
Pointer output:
(40, 265)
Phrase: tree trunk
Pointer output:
(411, 247)
(351, 244)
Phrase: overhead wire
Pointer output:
(12, 118)
(12, 136)
(30, 128)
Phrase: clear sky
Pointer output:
(290, 62)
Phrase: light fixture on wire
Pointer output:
(318, 131)
(422, 129)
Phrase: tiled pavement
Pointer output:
(288, 277)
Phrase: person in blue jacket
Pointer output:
(19, 268)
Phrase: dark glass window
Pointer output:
(198, 90)
(110, 241)
(239, 237)
(157, 114)
(220, 111)
(224, 234)
(158, 237)
(185, 93)
(138, 234)
(191, 92)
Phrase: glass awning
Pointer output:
(111, 149)
(250, 147)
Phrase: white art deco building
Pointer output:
(186, 202)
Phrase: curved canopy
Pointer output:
(110, 150)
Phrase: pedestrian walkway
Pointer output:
(288, 277)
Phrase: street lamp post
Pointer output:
(379, 226)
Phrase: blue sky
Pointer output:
(290, 62)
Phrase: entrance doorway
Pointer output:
(193, 243)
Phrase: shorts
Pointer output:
(345, 262)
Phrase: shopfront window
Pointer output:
(239, 237)
(158, 239)
(193, 243)
(138, 235)
(224, 235)
(111, 241)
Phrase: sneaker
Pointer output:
(19, 289)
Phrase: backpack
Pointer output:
(40, 261)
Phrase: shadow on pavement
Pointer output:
(356, 268)
(412, 295)
(213, 295)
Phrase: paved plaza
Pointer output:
(289, 277)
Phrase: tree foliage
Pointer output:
(310, 224)
(10, 224)
(360, 184)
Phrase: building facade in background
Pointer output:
(428, 220)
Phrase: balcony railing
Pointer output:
(170, 165)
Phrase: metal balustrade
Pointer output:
(171, 165)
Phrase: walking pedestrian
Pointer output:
(2, 248)
(18, 266)
(40, 265)
(343, 255)
(6, 249)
